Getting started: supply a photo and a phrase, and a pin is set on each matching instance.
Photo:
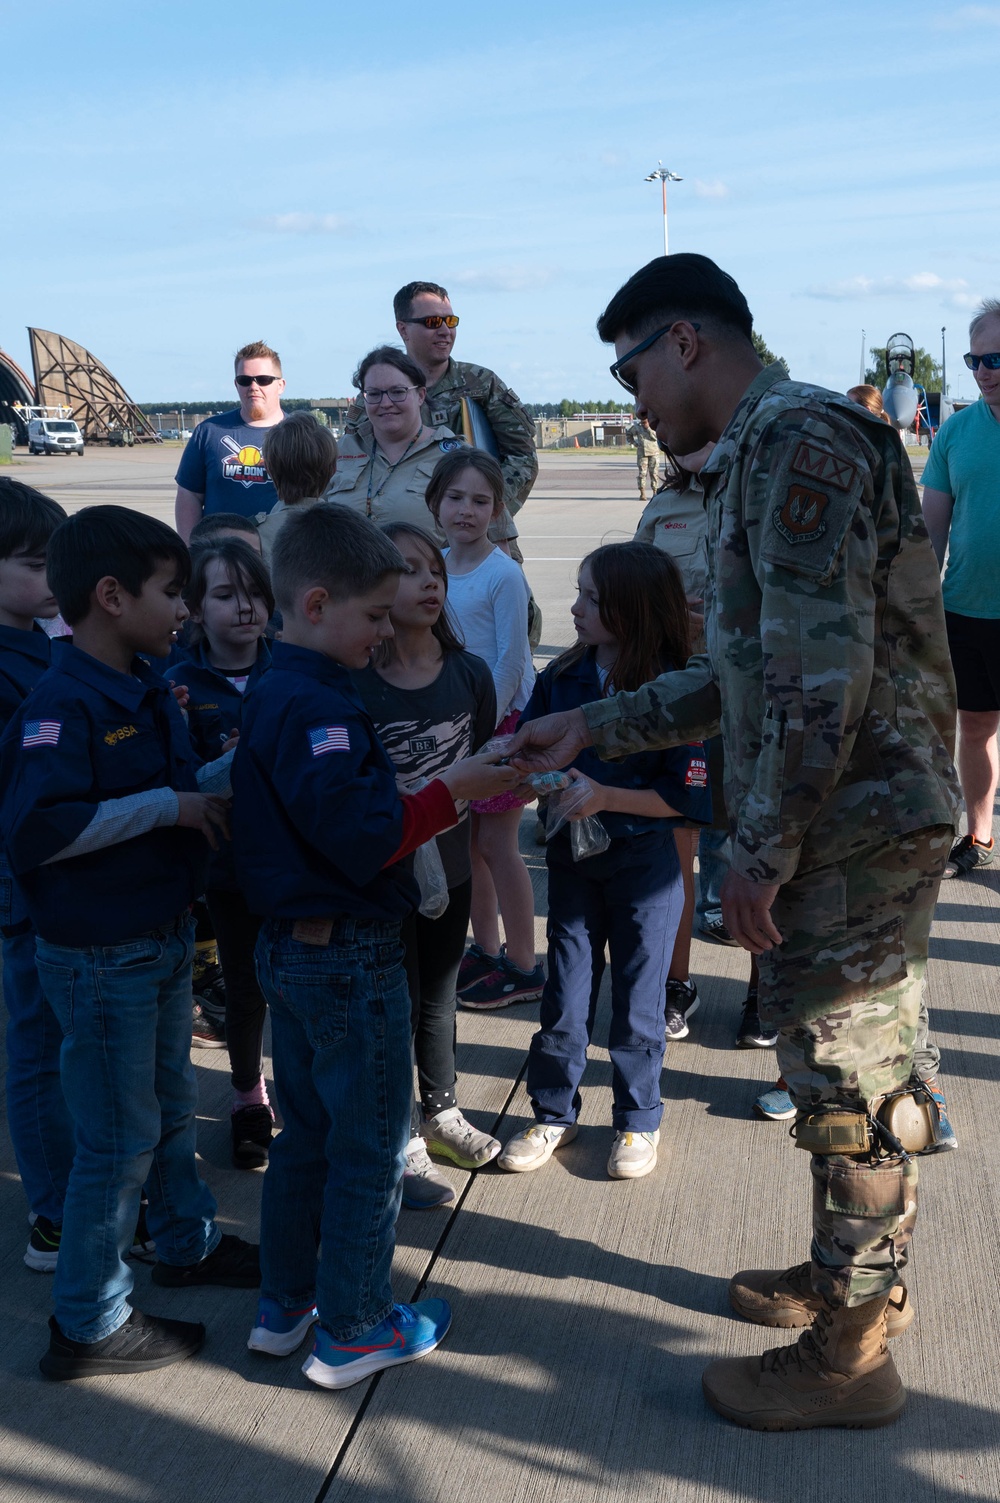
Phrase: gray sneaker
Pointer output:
(424, 1186)
(633, 1154)
(534, 1146)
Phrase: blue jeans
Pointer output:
(125, 1013)
(713, 863)
(630, 898)
(340, 1045)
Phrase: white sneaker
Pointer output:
(534, 1146)
(424, 1186)
(633, 1154)
(453, 1137)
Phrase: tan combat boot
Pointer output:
(839, 1372)
(771, 1297)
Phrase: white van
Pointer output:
(54, 436)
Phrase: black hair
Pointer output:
(222, 521)
(102, 541)
(27, 519)
(333, 547)
(247, 574)
(388, 354)
(402, 303)
(669, 287)
(445, 628)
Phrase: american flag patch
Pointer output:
(329, 738)
(41, 733)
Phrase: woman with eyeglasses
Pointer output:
(385, 475)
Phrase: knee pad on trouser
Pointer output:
(863, 1218)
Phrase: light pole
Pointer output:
(665, 176)
(944, 367)
(861, 376)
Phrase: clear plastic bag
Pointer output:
(428, 869)
(587, 836)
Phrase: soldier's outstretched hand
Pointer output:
(551, 742)
(746, 912)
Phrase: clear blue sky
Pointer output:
(181, 178)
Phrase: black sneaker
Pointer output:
(42, 1250)
(207, 1032)
(967, 855)
(682, 1001)
(714, 929)
(752, 1033)
(251, 1127)
(234, 1264)
(143, 1343)
(476, 963)
(143, 1247)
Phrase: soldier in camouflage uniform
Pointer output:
(828, 666)
(647, 452)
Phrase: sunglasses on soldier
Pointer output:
(616, 370)
(256, 380)
(435, 320)
(991, 362)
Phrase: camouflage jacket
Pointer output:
(645, 441)
(513, 427)
(826, 639)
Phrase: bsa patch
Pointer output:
(449, 445)
(800, 520)
(825, 468)
(121, 734)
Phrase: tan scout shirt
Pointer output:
(272, 524)
(677, 522)
(826, 639)
(367, 482)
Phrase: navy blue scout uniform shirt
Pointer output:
(679, 775)
(223, 461)
(316, 814)
(24, 657)
(89, 733)
(214, 710)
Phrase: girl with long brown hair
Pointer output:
(631, 622)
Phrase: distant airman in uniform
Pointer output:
(827, 662)
(647, 451)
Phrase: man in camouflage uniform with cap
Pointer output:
(647, 455)
(828, 666)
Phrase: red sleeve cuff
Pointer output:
(425, 814)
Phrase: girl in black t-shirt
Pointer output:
(432, 703)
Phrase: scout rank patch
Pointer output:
(800, 518)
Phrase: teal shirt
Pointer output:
(964, 462)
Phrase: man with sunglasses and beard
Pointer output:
(827, 665)
(427, 326)
(222, 468)
(962, 510)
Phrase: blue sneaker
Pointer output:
(775, 1105)
(944, 1135)
(278, 1331)
(411, 1331)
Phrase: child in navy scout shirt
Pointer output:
(41, 1130)
(108, 836)
(319, 833)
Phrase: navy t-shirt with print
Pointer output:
(222, 462)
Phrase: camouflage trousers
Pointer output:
(844, 991)
(648, 474)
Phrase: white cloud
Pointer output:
(967, 17)
(611, 159)
(305, 224)
(954, 291)
(713, 189)
(503, 278)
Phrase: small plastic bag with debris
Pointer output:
(587, 836)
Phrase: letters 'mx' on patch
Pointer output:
(825, 468)
(41, 733)
(329, 738)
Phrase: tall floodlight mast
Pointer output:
(664, 176)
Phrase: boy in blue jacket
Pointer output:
(41, 1130)
(107, 824)
(319, 833)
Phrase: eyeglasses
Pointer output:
(434, 320)
(616, 369)
(256, 380)
(991, 362)
(396, 394)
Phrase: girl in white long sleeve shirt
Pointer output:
(488, 598)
